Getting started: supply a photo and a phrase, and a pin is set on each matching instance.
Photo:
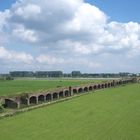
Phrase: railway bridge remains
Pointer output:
(28, 99)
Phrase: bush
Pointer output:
(1, 109)
(9, 78)
(4, 78)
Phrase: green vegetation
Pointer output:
(6, 77)
(110, 114)
(30, 85)
(1, 109)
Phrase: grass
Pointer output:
(31, 85)
(110, 114)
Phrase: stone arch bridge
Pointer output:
(28, 99)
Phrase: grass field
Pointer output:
(110, 114)
(30, 85)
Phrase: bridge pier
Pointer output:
(28, 101)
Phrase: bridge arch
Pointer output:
(66, 92)
(41, 98)
(48, 97)
(9, 103)
(105, 85)
(90, 88)
(109, 84)
(55, 96)
(102, 86)
(120, 82)
(95, 87)
(24, 100)
(80, 90)
(86, 89)
(33, 100)
(99, 86)
(117, 83)
(75, 91)
(112, 84)
(61, 94)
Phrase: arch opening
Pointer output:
(105, 85)
(10, 104)
(112, 84)
(117, 83)
(41, 98)
(90, 88)
(80, 90)
(48, 97)
(74, 91)
(33, 100)
(61, 95)
(120, 82)
(85, 89)
(94, 87)
(99, 86)
(24, 100)
(55, 96)
(109, 84)
(66, 93)
(102, 86)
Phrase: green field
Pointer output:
(30, 85)
(110, 114)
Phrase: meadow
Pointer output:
(110, 114)
(19, 86)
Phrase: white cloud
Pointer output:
(25, 34)
(4, 54)
(29, 11)
(68, 28)
(13, 56)
(87, 18)
(50, 60)
(55, 60)
(3, 26)
(85, 26)
(85, 63)
(3, 17)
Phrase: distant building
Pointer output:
(48, 73)
(76, 74)
(21, 73)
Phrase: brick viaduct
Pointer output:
(30, 99)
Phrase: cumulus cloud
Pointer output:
(50, 60)
(29, 11)
(25, 34)
(4, 16)
(13, 56)
(87, 18)
(3, 25)
(57, 62)
(73, 28)
(85, 26)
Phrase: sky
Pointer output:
(92, 36)
(119, 10)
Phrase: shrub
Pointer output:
(1, 109)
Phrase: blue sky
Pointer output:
(90, 36)
(6, 4)
(119, 10)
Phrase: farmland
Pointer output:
(31, 85)
(110, 114)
